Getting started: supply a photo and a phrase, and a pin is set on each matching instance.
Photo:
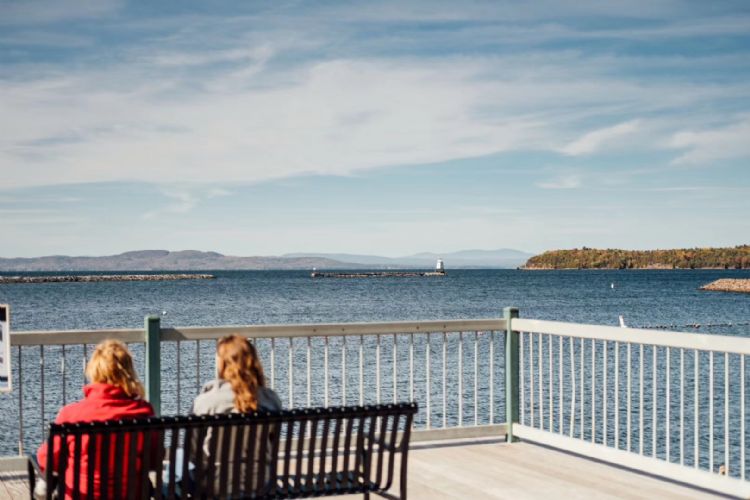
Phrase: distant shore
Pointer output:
(93, 278)
(728, 285)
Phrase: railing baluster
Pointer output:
(696, 401)
(492, 376)
(411, 367)
(521, 379)
(394, 365)
(668, 387)
(573, 386)
(290, 375)
(428, 386)
(41, 385)
(377, 369)
(682, 406)
(640, 399)
(593, 390)
(361, 370)
(711, 411)
(605, 390)
(549, 385)
(617, 395)
(309, 374)
(532, 385)
(273, 363)
(654, 409)
(62, 374)
(743, 464)
(197, 366)
(20, 401)
(541, 382)
(561, 418)
(325, 371)
(343, 371)
(726, 412)
(179, 376)
(476, 378)
(628, 406)
(460, 379)
(583, 387)
(445, 383)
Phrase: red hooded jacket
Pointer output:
(101, 402)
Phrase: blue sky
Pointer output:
(261, 128)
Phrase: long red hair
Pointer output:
(238, 363)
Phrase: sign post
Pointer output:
(5, 348)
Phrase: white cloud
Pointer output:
(562, 182)
(706, 146)
(594, 141)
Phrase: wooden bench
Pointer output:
(287, 454)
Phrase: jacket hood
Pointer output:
(104, 391)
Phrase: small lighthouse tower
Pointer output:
(439, 267)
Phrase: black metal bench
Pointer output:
(287, 454)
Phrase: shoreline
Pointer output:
(728, 285)
(96, 278)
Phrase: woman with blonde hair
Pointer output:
(114, 392)
(240, 387)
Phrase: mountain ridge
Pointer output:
(194, 260)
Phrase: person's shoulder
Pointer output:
(72, 412)
(213, 398)
(269, 400)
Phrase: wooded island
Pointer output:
(684, 258)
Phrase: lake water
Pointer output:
(643, 298)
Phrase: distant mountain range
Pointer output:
(502, 258)
(186, 260)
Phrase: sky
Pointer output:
(390, 128)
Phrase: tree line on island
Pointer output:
(683, 258)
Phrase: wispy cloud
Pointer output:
(709, 145)
(597, 139)
(562, 182)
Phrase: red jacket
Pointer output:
(101, 402)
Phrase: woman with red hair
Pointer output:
(239, 388)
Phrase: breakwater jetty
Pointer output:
(375, 274)
(93, 278)
(728, 285)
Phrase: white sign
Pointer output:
(4, 348)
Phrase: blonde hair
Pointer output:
(111, 363)
(238, 364)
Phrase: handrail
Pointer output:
(69, 337)
(684, 340)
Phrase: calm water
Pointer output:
(644, 298)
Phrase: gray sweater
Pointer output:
(217, 397)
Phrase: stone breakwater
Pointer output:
(729, 285)
(93, 278)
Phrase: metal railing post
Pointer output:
(152, 325)
(512, 354)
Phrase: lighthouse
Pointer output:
(439, 267)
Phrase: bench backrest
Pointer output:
(293, 453)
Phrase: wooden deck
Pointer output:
(492, 469)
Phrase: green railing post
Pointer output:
(511, 372)
(153, 361)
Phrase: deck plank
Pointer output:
(498, 470)
(14, 485)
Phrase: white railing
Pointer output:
(672, 404)
(449, 367)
